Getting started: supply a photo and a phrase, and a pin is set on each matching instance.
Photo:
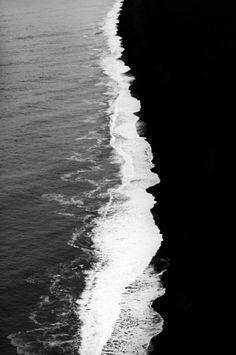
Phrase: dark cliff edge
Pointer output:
(182, 57)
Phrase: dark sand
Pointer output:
(183, 59)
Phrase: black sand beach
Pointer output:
(183, 57)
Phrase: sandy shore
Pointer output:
(183, 58)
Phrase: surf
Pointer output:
(125, 236)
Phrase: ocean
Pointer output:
(77, 233)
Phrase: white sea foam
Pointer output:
(76, 157)
(62, 200)
(92, 135)
(73, 176)
(75, 236)
(125, 236)
(65, 214)
(137, 321)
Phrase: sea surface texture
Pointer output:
(77, 233)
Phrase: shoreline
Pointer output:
(175, 55)
(108, 308)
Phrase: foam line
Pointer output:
(125, 237)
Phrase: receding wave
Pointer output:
(137, 320)
(125, 236)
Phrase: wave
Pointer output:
(137, 321)
(125, 236)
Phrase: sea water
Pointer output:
(77, 231)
